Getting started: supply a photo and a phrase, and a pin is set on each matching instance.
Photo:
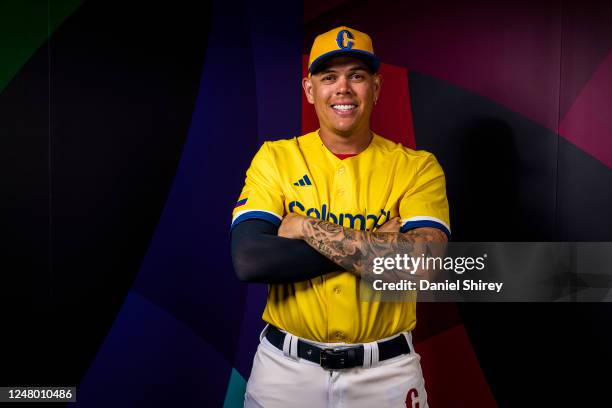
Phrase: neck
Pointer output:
(354, 143)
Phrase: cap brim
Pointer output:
(365, 56)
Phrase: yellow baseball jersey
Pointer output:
(385, 180)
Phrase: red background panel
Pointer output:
(453, 377)
(588, 123)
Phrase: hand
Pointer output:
(393, 225)
(291, 227)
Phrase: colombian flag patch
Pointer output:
(242, 200)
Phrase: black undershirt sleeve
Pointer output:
(259, 255)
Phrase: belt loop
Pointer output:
(367, 355)
(290, 344)
(408, 336)
(293, 350)
(287, 344)
(374, 362)
(263, 333)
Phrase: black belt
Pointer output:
(336, 358)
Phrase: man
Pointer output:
(314, 212)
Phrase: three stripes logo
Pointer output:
(304, 181)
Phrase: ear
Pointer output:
(308, 91)
(378, 80)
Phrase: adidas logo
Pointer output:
(304, 181)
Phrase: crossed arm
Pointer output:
(303, 248)
(355, 250)
(259, 255)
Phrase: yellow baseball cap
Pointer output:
(341, 41)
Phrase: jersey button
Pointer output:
(337, 290)
(341, 170)
(340, 191)
(339, 335)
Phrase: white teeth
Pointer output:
(343, 107)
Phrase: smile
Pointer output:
(344, 108)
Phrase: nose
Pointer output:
(343, 86)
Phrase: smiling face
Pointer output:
(343, 93)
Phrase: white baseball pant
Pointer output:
(281, 379)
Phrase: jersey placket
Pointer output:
(340, 319)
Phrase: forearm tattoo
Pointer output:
(355, 250)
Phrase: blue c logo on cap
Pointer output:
(340, 39)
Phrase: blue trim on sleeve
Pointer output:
(261, 215)
(425, 223)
